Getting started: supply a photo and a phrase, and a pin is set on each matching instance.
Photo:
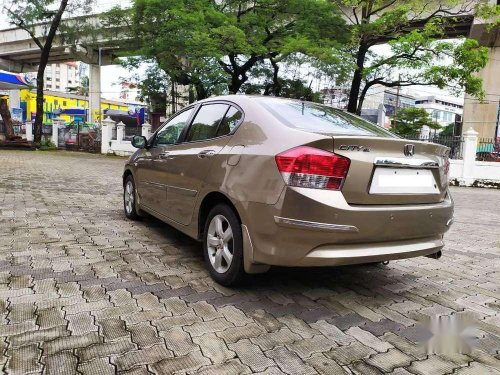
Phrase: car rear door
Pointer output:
(189, 162)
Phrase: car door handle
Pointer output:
(206, 154)
(165, 155)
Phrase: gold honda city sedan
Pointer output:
(264, 181)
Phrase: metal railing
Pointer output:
(488, 149)
(130, 131)
(455, 143)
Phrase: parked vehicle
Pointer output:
(264, 181)
(488, 152)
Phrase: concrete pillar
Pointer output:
(483, 116)
(106, 134)
(425, 132)
(469, 154)
(381, 115)
(29, 131)
(14, 99)
(146, 130)
(120, 131)
(56, 122)
(94, 92)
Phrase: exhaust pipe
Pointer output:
(435, 255)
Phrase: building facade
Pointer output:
(442, 110)
(68, 106)
(61, 76)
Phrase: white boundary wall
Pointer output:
(469, 172)
(118, 146)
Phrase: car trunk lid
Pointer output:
(392, 171)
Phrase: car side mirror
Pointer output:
(139, 141)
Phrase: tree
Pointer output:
(410, 121)
(152, 83)
(448, 130)
(82, 88)
(194, 41)
(41, 19)
(6, 117)
(413, 29)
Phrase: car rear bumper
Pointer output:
(309, 227)
(337, 255)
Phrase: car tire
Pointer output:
(130, 199)
(223, 250)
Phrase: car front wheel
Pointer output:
(129, 199)
(223, 245)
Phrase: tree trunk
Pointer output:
(276, 80)
(352, 105)
(362, 98)
(237, 80)
(201, 91)
(7, 119)
(37, 136)
(44, 58)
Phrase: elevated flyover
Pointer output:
(18, 53)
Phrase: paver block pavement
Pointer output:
(84, 289)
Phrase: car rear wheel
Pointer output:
(223, 245)
(129, 199)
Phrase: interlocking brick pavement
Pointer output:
(84, 290)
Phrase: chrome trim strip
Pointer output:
(405, 163)
(178, 190)
(315, 225)
(449, 222)
(182, 191)
(157, 184)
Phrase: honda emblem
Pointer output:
(409, 150)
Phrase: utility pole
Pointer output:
(397, 103)
(497, 128)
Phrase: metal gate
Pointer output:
(78, 136)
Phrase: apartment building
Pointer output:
(61, 76)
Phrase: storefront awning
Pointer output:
(12, 81)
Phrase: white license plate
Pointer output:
(403, 181)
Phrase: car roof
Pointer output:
(242, 98)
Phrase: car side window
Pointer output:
(232, 118)
(206, 122)
(170, 133)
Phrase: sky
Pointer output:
(110, 75)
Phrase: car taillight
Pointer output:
(312, 168)
(447, 167)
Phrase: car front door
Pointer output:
(153, 174)
(190, 161)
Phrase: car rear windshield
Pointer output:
(317, 118)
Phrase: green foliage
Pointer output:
(410, 121)
(46, 144)
(296, 89)
(214, 45)
(82, 88)
(27, 14)
(448, 130)
(414, 30)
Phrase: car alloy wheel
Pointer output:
(220, 243)
(129, 197)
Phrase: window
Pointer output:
(206, 122)
(232, 118)
(170, 133)
(317, 118)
